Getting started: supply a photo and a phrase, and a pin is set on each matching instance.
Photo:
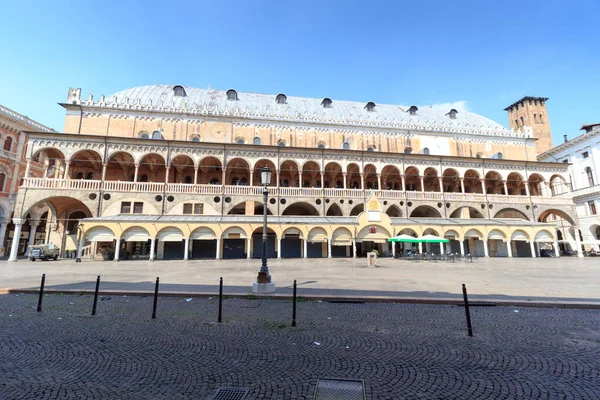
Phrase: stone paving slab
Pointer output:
(401, 351)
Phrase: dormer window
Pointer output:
(370, 106)
(426, 151)
(232, 95)
(281, 98)
(452, 114)
(326, 103)
(240, 140)
(321, 146)
(156, 135)
(179, 91)
(346, 146)
(413, 110)
(407, 150)
(372, 148)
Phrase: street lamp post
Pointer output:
(79, 236)
(263, 282)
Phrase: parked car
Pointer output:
(44, 252)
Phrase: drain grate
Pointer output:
(230, 394)
(340, 389)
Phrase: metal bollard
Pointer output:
(96, 295)
(465, 298)
(155, 299)
(294, 306)
(220, 317)
(39, 309)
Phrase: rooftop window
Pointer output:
(346, 146)
(426, 150)
(232, 95)
(281, 98)
(326, 103)
(179, 91)
(370, 106)
(452, 113)
(413, 110)
(156, 135)
(407, 150)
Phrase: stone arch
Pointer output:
(240, 209)
(49, 153)
(412, 179)
(210, 171)
(451, 180)
(536, 182)
(85, 164)
(595, 231)
(519, 234)
(152, 168)
(496, 234)
(237, 172)
(515, 184)
(473, 232)
(170, 233)
(452, 234)
(394, 211)
(120, 167)
(135, 233)
(73, 219)
(300, 209)
(365, 233)
(558, 185)
(182, 169)
(353, 176)
(53, 158)
(370, 177)
(472, 181)
(357, 209)
(511, 213)
(544, 235)
(425, 212)
(289, 174)
(60, 206)
(99, 233)
(318, 233)
(294, 230)
(431, 231)
(554, 214)
(431, 180)
(258, 166)
(341, 237)
(409, 232)
(236, 230)
(390, 178)
(334, 210)
(333, 176)
(493, 183)
(466, 212)
(311, 175)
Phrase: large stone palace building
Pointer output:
(174, 172)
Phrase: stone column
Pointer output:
(556, 248)
(354, 248)
(486, 252)
(509, 248)
(441, 248)
(252, 179)
(300, 183)
(422, 183)
(322, 180)
(218, 255)
(14, 248)
(167, 174)
(187, 249)
(32, 229)
(483, 186)
(46, 167)
(196, 176)
(527, 188)
(152, 248)
(135, 174)
(278, 247)
(578, 242)
(117, 249)
(223, 175)
(249, 251)
(379, 182)
(27, 168)
(394, 250)
(421, 247)
(328, 248)
(441, 180)
(80, 247)
(345, 179)
(104, 165)
(3, 236)
(403, 183)
(462, 185)
(67, 166)
(362, 181)
(532, 246)
(278, 178)
(505, 188)
(462, 247)
(305, 243)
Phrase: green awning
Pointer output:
(403, 239)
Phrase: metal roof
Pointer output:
(525, 99)
(157, 95)
(226, 218)
(23, 120)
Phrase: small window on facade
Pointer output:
(138, 207)
(195, 139)
(346, 146)
(535, 119)
(321, 146)
(590, 176)
(517, 123)
(256, 141)
(198, 208)
(188, 208)
(179, 91)
(281, 143)
(541, 118)
(479, 154)
(371, 148)
(565, 161)
(2, 179)
(407, 150)
(125, 207)
(156, 135)
(8, 143)
(592, 205)
(240, 140)
(585, 154)
(370, 106)
(426, 150)
(145, 136)
(413, 110)
(281, 98)
(326, 103)
(232, 95)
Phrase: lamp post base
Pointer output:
(263, 288)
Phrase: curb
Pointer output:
(336, 299)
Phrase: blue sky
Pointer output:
(486, 54)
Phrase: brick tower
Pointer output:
(531, 111)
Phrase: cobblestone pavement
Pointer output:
(401, 351)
